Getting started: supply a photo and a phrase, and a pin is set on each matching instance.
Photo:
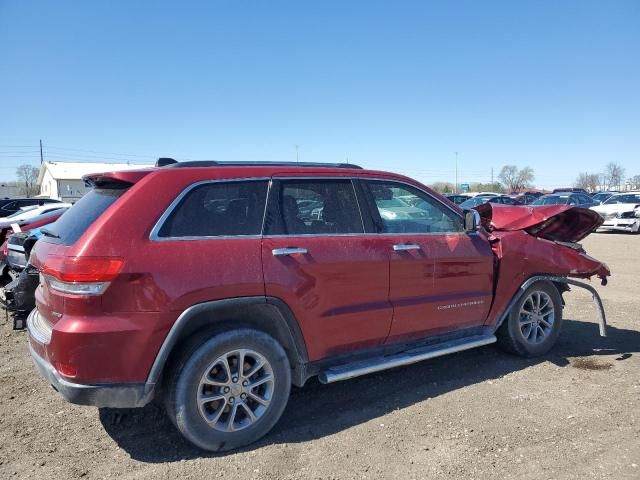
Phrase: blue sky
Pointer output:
(396, 85)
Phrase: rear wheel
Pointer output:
(533, 325)
(228, 390)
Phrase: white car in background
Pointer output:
(621, 211)
(30, 212)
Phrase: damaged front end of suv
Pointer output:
(541, 243)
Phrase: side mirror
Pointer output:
(471, 221)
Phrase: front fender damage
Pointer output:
(529, 243)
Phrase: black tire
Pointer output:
(183, 386)
(517, 337)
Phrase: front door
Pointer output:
(441, 278)
(318, 259)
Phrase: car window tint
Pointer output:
(75, 221)
(404, 209)
(218, 209)
(314, 207)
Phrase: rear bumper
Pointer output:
(109, 395)
(116, 395)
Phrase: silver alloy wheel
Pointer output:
(235, 390)
(536, 318)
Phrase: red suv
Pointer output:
(217, 286)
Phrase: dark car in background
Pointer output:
(479, 200)
(566, 198)
(524, 199)
(457, 199)
(9, 206)
(570, 189)
(601, 197)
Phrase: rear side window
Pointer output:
(218, 209)
(75, 221)
(314, 207)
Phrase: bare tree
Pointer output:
(525, 178)
(487, 187)
(509, 177)
(589, 181)
(28, 179)
(515, 179)
(615, 175)
(634, 182)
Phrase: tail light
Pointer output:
(5, 248)
(81, 275)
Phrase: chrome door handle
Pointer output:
(288, 251)
(405, 247)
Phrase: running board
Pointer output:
(377, 364)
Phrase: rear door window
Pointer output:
(218, 209)
(75, 221)
(314, 207)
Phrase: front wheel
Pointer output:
(533, 325)
(228, 390)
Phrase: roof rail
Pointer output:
(214, 163)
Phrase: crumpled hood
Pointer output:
(563, 223)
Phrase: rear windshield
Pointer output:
(75, 221)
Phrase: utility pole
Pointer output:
(297, 147)
(491, 177)
(456, 189)
(41, 156)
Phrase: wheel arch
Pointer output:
(561, 284)
(267, 314)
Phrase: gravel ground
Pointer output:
(480, 414)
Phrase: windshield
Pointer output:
(552, 200)
(629, 198)
(474, 202)
(601, 196)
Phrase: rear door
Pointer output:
(319, 259)
(441, 278)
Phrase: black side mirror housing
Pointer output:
(471, 221)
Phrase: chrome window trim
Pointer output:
(158, 225)
(428, 195)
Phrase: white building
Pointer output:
(63, 180)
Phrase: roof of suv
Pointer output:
(232, 170)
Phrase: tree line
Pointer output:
(612, 178)
(512, 179)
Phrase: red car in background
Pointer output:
(6, 229)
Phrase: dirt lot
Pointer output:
(479, 414)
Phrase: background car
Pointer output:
(601, 197)
(524, 199)
(566, 198)
(32, 212)
(479, 200)
(457, 198)
(621, 211)
(569, 189)
(9, 206)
